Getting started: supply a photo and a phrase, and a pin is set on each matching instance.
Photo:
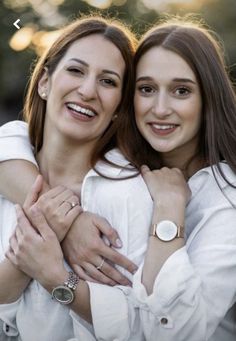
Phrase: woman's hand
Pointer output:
(60, 206)
(85, 250)
(166, 185)
(34, 247)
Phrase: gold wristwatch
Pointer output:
(167, 230)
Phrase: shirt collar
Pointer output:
(108, 170)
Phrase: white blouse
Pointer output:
(195, 292)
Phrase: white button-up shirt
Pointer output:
(195, 292)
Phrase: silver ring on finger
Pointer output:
(72, 204)
(99, 267)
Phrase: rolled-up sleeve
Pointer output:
(114, 317)
(82, 329)
(196, 286)
(14, 142)
(8, 328)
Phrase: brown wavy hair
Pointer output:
(35, 108)
(202, 50)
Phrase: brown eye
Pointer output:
(146, 89)
(182, 91)
(108, 82)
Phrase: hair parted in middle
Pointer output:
(112, 30)
(202, 51)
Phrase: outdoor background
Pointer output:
(40, 21)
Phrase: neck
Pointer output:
(188, 161)
(64, 164)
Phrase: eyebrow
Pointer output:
(177, 80)
(184, 80)
(87, 65)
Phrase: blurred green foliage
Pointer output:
(49, 15)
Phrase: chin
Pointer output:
(161, 148)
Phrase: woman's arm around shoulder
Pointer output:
(18, 166)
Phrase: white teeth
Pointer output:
(79, 109)
(163, 127)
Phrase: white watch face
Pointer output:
(166, 230)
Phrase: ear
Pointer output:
(43, 84)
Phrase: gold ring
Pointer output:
(99, 267)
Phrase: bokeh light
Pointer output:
(101, 4)
(22, 38)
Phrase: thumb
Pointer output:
(34, 192)
(39, 222)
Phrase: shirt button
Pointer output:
(164, 320)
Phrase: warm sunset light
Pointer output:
(161, 5)
(27, 36)
(21, 39)
(101, 4)
(42, 40)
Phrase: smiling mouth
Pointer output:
(163, 129)
(80, 110)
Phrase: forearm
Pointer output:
(81, 303)
(159, 251)
(13, 282)
(18, 190)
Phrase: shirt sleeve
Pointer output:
(14, 142)
(82, 329)
(114, 312)
(8, 328)
(196, 286)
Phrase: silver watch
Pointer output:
(64, 293)
(167, 230)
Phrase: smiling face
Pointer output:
(168, 104)
(84, 90)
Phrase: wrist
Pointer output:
(54, 278)
(65, 293)
(167, 230)
(166, 212)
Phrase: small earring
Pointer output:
(114, 117)
(43, 95)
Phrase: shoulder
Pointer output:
(120, 176)
(208, 185)
(116, 167)
(14, 127)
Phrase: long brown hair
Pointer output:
(200, 48)
(35, 108)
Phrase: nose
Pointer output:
(162, 105)
(87, 88)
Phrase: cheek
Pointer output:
(196, 116)
(112, 101)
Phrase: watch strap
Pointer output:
(72, 280)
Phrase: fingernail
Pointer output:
(119, 243)
(134, 271)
